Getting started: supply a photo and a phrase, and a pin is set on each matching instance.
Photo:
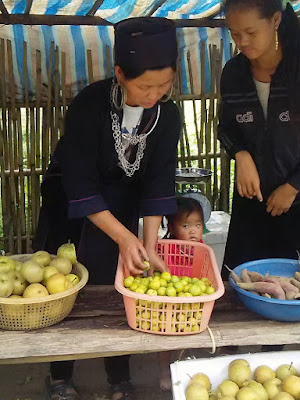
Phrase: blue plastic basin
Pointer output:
(278, 310)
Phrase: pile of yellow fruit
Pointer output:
(165, 284)
(266, 383)
(154, 316)
(40, 275)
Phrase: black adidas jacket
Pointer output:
(274, 143)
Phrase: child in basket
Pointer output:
(186, 224)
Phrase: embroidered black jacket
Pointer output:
(90, 163)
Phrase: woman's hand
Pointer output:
(248, 182)
(133, 253)
(281, 199)
(156, 262)
(131, 249)
(151, 225)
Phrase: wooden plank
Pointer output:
(3, 9)
(48, 110)
(111, 336)
(95, 7)
(197, 133)
(28, 6)
(89, 59)
(37, 19)
(107, 335)
(203, 101)
(63, 87)
(155, 8)
(28, 158)
(38, 87)
(11, 150)
(3, 146)
(178, 89)
(56, 108)
(21, 189)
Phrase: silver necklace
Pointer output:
(140, 140)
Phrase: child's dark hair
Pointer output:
(186, 206)
(289, 36)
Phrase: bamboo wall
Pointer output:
(30, 130)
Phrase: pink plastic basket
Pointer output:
(165, 315)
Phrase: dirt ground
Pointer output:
(27, 381)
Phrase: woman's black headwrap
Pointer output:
(145, 43)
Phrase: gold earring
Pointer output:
(276, 40)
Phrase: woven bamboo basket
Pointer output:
(24, 314)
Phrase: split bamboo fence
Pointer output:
(29, 131)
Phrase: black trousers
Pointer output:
(254, 234)
(117, 369)
(95, 250)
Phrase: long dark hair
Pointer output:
(289, 36)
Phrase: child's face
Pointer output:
(188, 227)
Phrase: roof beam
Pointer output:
(155, 8)
(3, 8)
(95, 7)
(28, 6)
(37, 19)
(32, 19)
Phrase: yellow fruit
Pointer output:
(134, 286)
(210, 290)
(147, 265)
(171, 291)
(145, 325)
(178, 287)
(151, 292)
(32, 271)
(163, 283)
(239, 374)
(155, 284)
(58, 283)
(42, 257)
(195, 290)
(247, 393)
(74, 279)
(202, 379)
(174, 278)
(291, 385)
(62, 264)
(263, 373)
(146, 314)
(48, 271)
(35, 290)
(195, 391)
(166, 275)
(140, 290)
(67, 250)
(162, 291)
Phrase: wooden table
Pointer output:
(97, 327)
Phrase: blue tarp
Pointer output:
(74, 41)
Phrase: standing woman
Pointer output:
(118, 159)
(259, 126)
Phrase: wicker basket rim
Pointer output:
(51, 297)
